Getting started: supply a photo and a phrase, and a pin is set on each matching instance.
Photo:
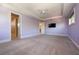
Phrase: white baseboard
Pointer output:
(6, 40)
(74, 42)
(29, 36)
(58, 34)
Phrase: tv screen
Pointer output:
(52, 25)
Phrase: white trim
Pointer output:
(6, 40)
(29, 36)
(74, 42)
(58, 34)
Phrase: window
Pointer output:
(72, 19)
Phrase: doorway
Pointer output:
(14, 26)
(42, 27)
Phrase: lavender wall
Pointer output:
(29, 26)
(73, 30)
(60, 27)
(4, 24)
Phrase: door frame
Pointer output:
(42, 27)
(18, 24)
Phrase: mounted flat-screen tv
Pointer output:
(52, 25)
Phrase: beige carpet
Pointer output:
(39, 45)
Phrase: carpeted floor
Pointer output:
(39, 45)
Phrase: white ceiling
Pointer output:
(41, 11)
